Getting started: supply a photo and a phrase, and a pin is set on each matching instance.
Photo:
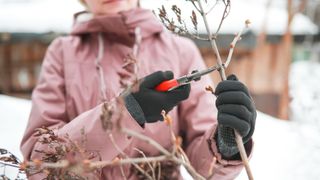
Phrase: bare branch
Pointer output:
(224, 16)
(233, 44)
(195, 6)
(213, 6)
(126, 156)
(243, 155)
(146, 139)
(212, 42)
(150, 166)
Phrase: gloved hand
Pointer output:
(236, 110)
(146, 104)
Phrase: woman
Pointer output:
(87, 69)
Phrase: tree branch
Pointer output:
(233, 44)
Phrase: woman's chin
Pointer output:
(114, 7)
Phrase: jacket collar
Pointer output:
(118, 27)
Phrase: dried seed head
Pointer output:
(177, 11)
(210, 89)
(247, 22)
(23, 166)
(166, 118)
(194, 20)
(162, 12)
(178, 141)
(37, 163)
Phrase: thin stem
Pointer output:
(11, 165)
(232, 46)
(190, 169)
(243, 154)
(152, 142)
(195, 6)
(150, 166)
(212, 42)
(125, 155)
(146, 139)
(212, 8)
(101, 164)
(225, 14)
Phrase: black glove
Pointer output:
(146, 104)
(236, 110)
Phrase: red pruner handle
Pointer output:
(167, 85)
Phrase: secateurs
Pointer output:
(175, 83)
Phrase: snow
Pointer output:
(37, 16)
(284, 150)
(14, 117)
(305, 90)
(42, 16)
(14, 114)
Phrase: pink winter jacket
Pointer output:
(68, 96)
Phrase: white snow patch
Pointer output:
(14, 115)
(284, 150)
(38, 16)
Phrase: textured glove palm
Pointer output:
(146, 104)
(236, 110)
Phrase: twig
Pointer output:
(223, 77)
(101, 164)
(190, 169)
(122, 173)
(11, 165)
(213, 6)
(152, 142)
(182, 30)
(195, 6)
(150, 166)
(225, 14)
(233, 44)
(146, 139)
(125, 155)
(212, 42)
(135, 51)
(159, 173)
(243, 154)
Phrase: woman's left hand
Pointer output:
(235, 106)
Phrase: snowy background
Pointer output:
(284, 150)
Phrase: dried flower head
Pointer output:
(247, 22)
(166, 118)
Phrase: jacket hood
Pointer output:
(120, 27)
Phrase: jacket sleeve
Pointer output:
(199, 115)
(49, 110)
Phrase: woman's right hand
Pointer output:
(146, 104)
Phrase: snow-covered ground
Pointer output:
(290, 150)
(14, 114)
(284, 150)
